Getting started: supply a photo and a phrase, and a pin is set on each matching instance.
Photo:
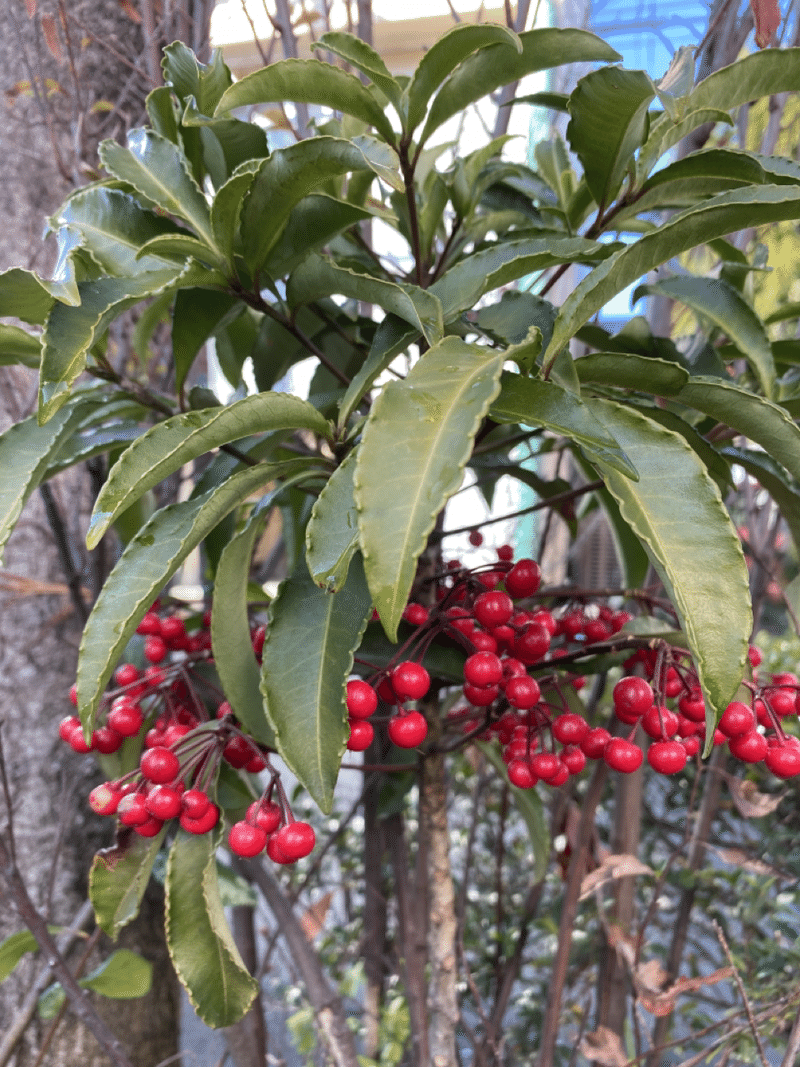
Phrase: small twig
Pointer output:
(794, 1043)
(742, 992)
(558, 498)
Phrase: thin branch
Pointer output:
(742, 992)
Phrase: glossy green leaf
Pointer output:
(161, 112)
(308, 81)
(312, 223)
(19, 346)
(169, 444)
(727, 309)
(206, 82)
(510, 319)
(718, 216)
(125, 975)
(119, 876)
(226, 208)
(771, 476)
(697, 177)
(24, 296)
(114, 227)
(421, 431)
(392, 337)
(157, 169)
(444, 56)
(529, 804)
(665, 134)
(382, 158)
(180, 247)
(332, 531)
(308, 653)
(462, 286)
(532, 402)
(630, 371)
(318, 276)
(141, 572)
(196, 315)
(13, 948)
(364, 58)
(199, 940)
(608, 124)
(283, 180)
(676, 511)
(500, 64)
(760, 74)
(82, 444)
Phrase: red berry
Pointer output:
(265, 814)
(782, 701)
(125, 717)
(545, 764)
(238, 751)
(131, 809)
(106, 740)
(633, 696)
(493, 609)
(173, 631)
(560, 775)
(416, 614)
(737, 719)
(520, 774)
(126, 674)
(67, 727)
(505, 553)
(149, 828)
(362, 700)
(667, 757)
(622, 755)
(693, 706)
(572, 624)
(659, 722)
(408, 730)
(783, 760)
(73, 695)
(410, 680)
(105, 798)
(532, 643)
(476, 538)
(361, 735)
(195, 803)
(256, 764)
(155, 649)
(163, 802)
(574, 759)
(594, 744)
(483, 669)
(150, 626)
(259, 635)
(523, 579)
(596, 630)
(295, 840)
(691, 745)
(755, 657)
(246, 839)
(483, 642)
(523, 692)
(386, 693)
(750, 747)
(481, 696)
(160, 765)
(204, 823)
(570, 729)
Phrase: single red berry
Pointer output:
(131, 809)
(520, 774)
(361, 735)
(410, 680)
(295, 840)
(385, 692)
(256, 764)
(523, 692)
(73, 695)
(163, 802)
(782, 701)
(574, 758)
(408, 730)
(737, 719)
(755, 656)
(67, 727)
(749, 748)
(493, 609)
(594, 744)
(265, 814)
(126, 674)
(483, 642)
(571, 624)
(633, 696)
(481, 696)
(194, 803)
(659, 722)
(150, 626)
(783, 760)
(505, 553)
(546, 619)
(274, 851)
(246, 839)
(570, 729)
(125, 717)
(105, 798)
(691, 745)
(416, 614)
(149, 828)
(160, 765)
(545, 765)
(238, 751)
(596, 630)
(523, 579)
(560, 774)
(174, 732)
(667, 757)
(173, 631)
(362, 700)
(483, 669)
(155, 649)
(693, 706)
(106, 740)
(532, 644)
(622, 755)
(476, 538)
(204, 823)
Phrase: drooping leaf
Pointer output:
(421, 430)
(608, 124)
(317, 276)
(312, 223)
(630, 371)
(19, 346)
(444, 56)
(364, 58)
(178, 247)
(169, 444)
(500, 64)
(25, 296)
(720, 303)
(665, 134)
(308, 653)
(146, 565)
(716, 217)
(125, 975)
(199, 940)
(227, 206)
(529, 804)
(119, 877)
(532, 402)
(308, 81)
(691, 543)
(196, 315)
(332, 531)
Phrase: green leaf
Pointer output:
(510, 319)
(146, 565)
(283, 180)
(312, 223)
(157, 169)
(206, 82)
(392, 337)
(332, 531)
(197, 314)
(630, 371)
(676, 511)
(421, 430)
(500, 64)
(664, 135)
(119, 877)
(24, 296)
(308, 653)
(608, 124)
(180, 247)
(552, 101)
(169, 444)
(161, 112)
(529, 804)
(696, 177)
(677, 83)
(13, 949)
(226, 209)
(460, 288)
(318, 276)
(308, 81)
(727, 309)
(19, 346)
(771, 476)
(532, 402)
(761, 74)
(125, 975)
(364, 58)
(718, 216)
(114, 227)
(200, 943)
(444, 56)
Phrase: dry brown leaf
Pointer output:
(50, 34)
(617, 865)
(750, 803)
(130, 11)
(736, 857)
(30, 8)
(622, 943)
(767, 16)
(650, 977)
(314, 919)
(664, 1003)
(603, 1047)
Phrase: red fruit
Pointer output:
(523, 692)
(755, 657)
(483, 642)
(195, 803)
(238, 751)
(126, 674)
(782, 701)
(73, 695)
(493, 609)
(596, 630)
(659, 722)
(570, 729)
(125, 717)
(520, 774)
(572, 624)
(505, 553)
(416, 614)
(546, 619)
(155, 649)
(693, 706)
(667, 757)
(408, 730)
(274, 851)
(160, 765)
(622, 755)
(691, 745)
(386, 693)
(481, 696)
(362, 700)
(475, 538)
(750, 747)
(361, 735)
(633, 696)
(246, 839)
(532, 643)
(259, 634)
(737, 719)
(265, 814)
(105, 798)
(106, 740)
(410, 680)
(174, 732)
(149, 828)
(204, 823)
(512, 668)
(560, 776)
(67, 727)
(783, 760)
(295, 840)
(150, 626)
(131, 809)
(594, 744)
(573, 758)
(545, 765)
(256, 763)
(163, 802)
(523, 579)
(173, 631)
(483, 669)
